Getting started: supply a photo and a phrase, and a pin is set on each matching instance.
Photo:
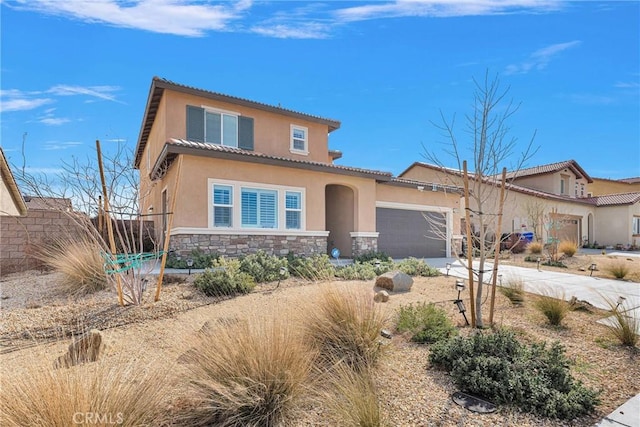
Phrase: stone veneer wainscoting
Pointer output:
(242, 244)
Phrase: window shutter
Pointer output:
(245, 133)
(195, 123)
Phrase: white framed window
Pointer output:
(299, 140)
(221, 128)
(636, 225)
(259, 208)
(222, 206)
(293, 210)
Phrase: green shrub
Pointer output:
(416, 267)
(619, 270)
(357, 271)
(426, 323)
(317, 267)
(224, 279)
(372, 256)
(531, 258)
(554, 309)
(264, 267)
(498, 367)
(200, 259)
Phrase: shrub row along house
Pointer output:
(255, 176)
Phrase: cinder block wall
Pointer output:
(18, 235)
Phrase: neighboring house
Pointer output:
(11, 201)
(553, 201)
(255, 176)
(603, 186)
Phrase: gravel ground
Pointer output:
(411, 393)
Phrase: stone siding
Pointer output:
(236, 245)
(361, 245)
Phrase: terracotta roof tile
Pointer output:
(616, 199)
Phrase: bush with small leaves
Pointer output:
(498, 367)
(416, 267)
(426, 323)
(357, 271)
(316, 267)
(264, 267)
(224, 279)
(199, 257)
(372, 256)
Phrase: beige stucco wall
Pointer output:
(7, 204)
(618, 231)
(194, 193)
(272, 132)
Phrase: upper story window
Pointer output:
(299, 140)
(219, 127)
(564, 185)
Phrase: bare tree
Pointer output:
(126, 263)
(535, 210)
(491, 149)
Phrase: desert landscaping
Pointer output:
(154, 341)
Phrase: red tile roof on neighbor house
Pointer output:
(158, 85)
(633, 180)
(551, 168)
(616, 199)
(174, 147)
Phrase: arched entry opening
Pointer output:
(339, 217)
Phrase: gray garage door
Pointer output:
(405, 233)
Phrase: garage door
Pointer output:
(406, 233)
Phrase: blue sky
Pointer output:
(79, 70)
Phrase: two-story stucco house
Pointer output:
(256, 176)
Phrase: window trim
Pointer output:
(287, 210)
(222, 113)
(635, 229)
(236, 219)
(292, 148)
(214, 205)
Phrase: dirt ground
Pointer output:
(35, 319)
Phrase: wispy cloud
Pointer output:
(627, 85)
(55, 145)
(442, 8)
(50, 119)
(179, 17)
(312, 20)
(19, 100)
(539, 59)
(100, 92)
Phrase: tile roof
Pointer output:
(616, 199)
(404, 182)
(158, 85)
(633, 180)
(550, 168)
(173, 147)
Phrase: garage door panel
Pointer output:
(406, 233)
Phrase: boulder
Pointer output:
(395, 281)
(85, 348)
(382, 296)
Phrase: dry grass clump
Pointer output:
(251, 373)
(514, 290)
(535, 248)
(352, 398)
(100, 393)
(79, 260)
(568, 248)
(554, 308)
(618, 269)
(345, 325)
(623, 326)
